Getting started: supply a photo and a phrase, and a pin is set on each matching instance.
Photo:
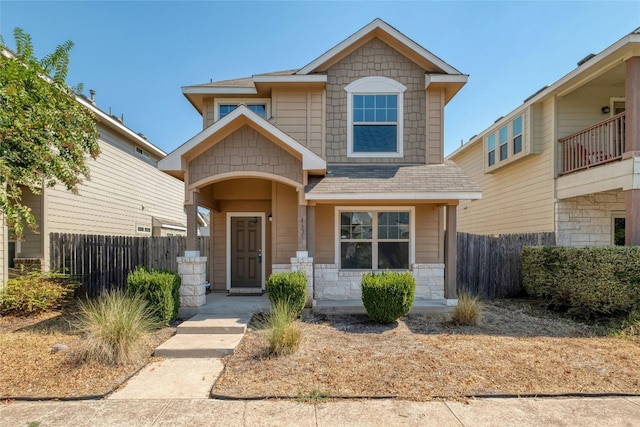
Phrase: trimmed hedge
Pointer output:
(587, 283)
(161, 290)
(290, 288)
(388, 295)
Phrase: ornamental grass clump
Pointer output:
(35, 292)
(467, 312)
(282, 332)
(114, 326)
(387, 296)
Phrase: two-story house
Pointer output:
(336, 168)
(566, 160)
(126, 195)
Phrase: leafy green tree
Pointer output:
(46, 135)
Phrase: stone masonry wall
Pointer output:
(376, 58)
(332, 284)
(588, 220)
(245, 150)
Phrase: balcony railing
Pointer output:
(601, 143)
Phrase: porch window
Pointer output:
(375, 240)
(375, 117)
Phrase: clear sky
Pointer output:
(138, 54)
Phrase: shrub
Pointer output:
(587, 283)
(288, 287)
(283, 334)
(387, 296)
(161, 290)
(467, 311)
(114, 326)
(35, 292)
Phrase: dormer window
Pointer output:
(259, 109)
(375, 117)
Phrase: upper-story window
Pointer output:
(375, 117)
(510, 139)
(225, 106)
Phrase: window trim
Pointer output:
(376, 85)
(241, 101)
(374, 241)
(509, 143)
(143, 229)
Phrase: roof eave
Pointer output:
(459, 195)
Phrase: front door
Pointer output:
(246, 252)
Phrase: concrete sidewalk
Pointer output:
(601, 412)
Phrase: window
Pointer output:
(259, 109)
(141, 152)
(491, 147)
(517, 135)
(375, 239)
(143, 229)
(224, 106)
(504, 139)
(375, 117)
(618, 230)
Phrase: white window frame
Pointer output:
(376, 85)
(241, 101)
(374, 224)
(511, 156)
(144, 229)
(612, 103)
(142, 153)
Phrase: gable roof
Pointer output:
(242, 115)
(385, 32)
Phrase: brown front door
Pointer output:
(246, 252)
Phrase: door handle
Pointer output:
(259, 259)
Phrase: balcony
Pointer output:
(596, 145)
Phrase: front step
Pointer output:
(198, 345)
(211, 324)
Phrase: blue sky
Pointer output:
(137, 54)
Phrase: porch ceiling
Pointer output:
(393, 182)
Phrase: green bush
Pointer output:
(113, 326)
(387, 296)
(288, 287)
(35, 292)
(161, 289)
(587, 283)
(282, 333)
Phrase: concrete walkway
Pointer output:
(601, 412)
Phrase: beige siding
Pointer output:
(435, 119)
(245, 151)
(429, 235)
(299, 115)
(582, 108)
(32, 243)
(124, 191)
(516, 198)
(375, 58)
(285, 220)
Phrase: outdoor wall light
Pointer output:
(605, 109)
(270, 217)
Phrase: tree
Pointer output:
(46, 135)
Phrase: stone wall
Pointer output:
(588, 220)
(333, 284)
(192, 272)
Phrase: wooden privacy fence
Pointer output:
(102, 263)
(489, 267)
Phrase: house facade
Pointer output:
(126, 196)
(335, 169)
(566, 160)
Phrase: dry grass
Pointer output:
(29, 368)
(515, 349)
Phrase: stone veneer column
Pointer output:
(192, 271)
(305, 263)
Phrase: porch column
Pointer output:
(311, 230)
(451, 254)
(302, 228)
(192, 225)
(632, 140)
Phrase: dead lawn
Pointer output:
(516, 349)
(28, 368)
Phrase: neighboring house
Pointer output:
(336, 168)
(126, 196)
(565, 161)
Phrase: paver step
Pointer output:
(198, 345)
(212, 324)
